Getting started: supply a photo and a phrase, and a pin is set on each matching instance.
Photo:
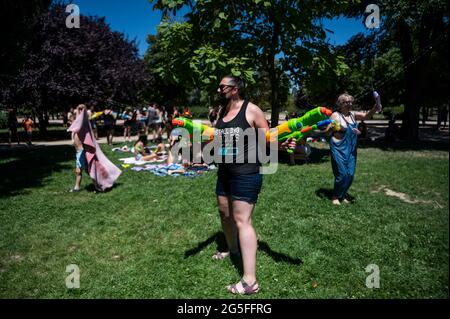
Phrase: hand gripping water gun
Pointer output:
(207, 132)
(298, 128)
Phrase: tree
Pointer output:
(278, 36)
(65, 66)
(373, 63)
(184, 65)
(18, 23)
(420, 31)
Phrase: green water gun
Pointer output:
(207, 132)
(298, 128)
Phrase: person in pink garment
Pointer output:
(89, 156)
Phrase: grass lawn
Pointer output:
(153, 237)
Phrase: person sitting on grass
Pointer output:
(142, 153)
(175, 155)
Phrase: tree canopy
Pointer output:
(280, 38)
(417, 32)
(65, 66)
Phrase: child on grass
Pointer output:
(80, 157)
(90, 156)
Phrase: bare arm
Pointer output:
(257, 118)
(363, 116)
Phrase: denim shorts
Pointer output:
(81, 161)
(240, 187)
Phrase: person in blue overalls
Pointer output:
(343, 145)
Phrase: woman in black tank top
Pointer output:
(238, 179)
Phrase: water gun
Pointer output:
(298, 128)
(207, 132)
(96, 115)
(285, 131)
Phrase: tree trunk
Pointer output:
(439, 117)
(273, 74)
(425, 111)
(274, 98)
(410, 124)
(43, 123)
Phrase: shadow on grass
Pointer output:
(91, 188)
(326, 193)
(276, 256)
(431, 139)
(401, 145)
(23, 168)
(220, 241)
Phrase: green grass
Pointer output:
(153, 237)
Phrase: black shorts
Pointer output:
(239, 187)
(108, 127)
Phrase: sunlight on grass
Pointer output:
(153, 237)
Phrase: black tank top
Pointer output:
(236, 146)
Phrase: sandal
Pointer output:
(73, 190)
(219, 255)
(248, 290)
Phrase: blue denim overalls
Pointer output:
(343, 159)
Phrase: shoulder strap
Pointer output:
(352, 116)
(242, 111)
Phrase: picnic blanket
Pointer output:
(171, 169)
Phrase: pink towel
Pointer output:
(101, 170)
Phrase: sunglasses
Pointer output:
(223, 86)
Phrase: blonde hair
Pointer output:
(341, 98)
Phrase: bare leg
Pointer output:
(78, 178)
(161, 148)
(242, 213)
(228, 225)
(110, 135)
(291, 159)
